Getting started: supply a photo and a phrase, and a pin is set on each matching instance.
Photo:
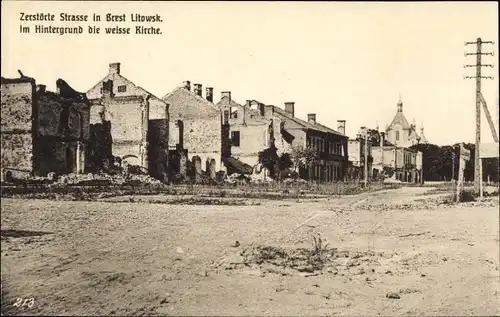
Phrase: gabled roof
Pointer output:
(128, 81)
(185, 103)
(183, 91)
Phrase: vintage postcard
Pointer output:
(241, 158)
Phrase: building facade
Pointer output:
(330, 145)
(397, 163)
(42, 131)
(129, 124)
(196, 125)
(123, 132)
(249, 131)
(356, 150)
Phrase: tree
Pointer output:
(439, 164)
(303, 157)
(374, 137)
(273, 162)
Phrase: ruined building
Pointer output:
(123, 134)
(356, 149)
(195, 128)
(129, 125)
(42, 131)
(249, 132)
(330, 145)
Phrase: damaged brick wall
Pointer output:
(202, 125)
(16, 155)
(125, 117)
(17, 111)
(62, 123)
(202, 138)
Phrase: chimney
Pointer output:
(114, 68)
(225, 94)
(209, 94)
(262, 109)
(290, 108)
(248, 103)
(341, 126)
(197, 89)
(187, 85)
(382, 138)
(41, 88)
(311, 117)
(268, 110)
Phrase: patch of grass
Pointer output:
(301, 259)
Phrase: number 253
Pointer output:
(20, 302)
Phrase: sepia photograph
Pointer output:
(249, 158)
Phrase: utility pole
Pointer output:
(366, 159)
(478, 77)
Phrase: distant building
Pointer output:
(121, 129)
(356, 150)
(399, 163)
(330, 145)
(249, 132)
(196, 125)
(134, 119)
(42, 131)
(401, 133)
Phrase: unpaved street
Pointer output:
(402, 256)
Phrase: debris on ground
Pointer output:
(392, 295)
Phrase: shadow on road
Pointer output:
(22, 233)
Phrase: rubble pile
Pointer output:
(107, 179)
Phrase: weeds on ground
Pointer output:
(301, 259)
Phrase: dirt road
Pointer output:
(123, 258)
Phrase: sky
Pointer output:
(340, 60)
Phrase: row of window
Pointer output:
(328, 172)
(318, 144)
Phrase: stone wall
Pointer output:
(17, 109)
(16, 154)
(62, 123)
(202, 126)
(202, 138)
(125, 117)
